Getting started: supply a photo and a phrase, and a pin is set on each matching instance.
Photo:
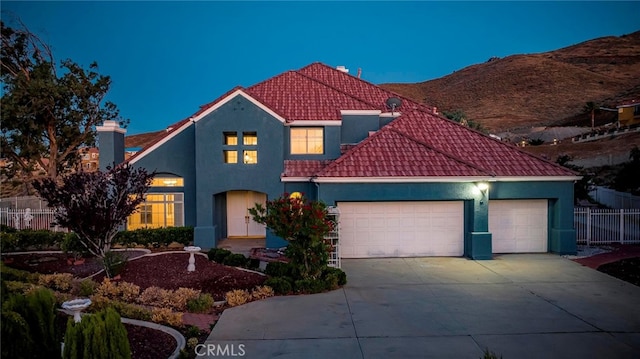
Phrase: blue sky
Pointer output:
(166, 59)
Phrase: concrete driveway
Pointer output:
(518, 306)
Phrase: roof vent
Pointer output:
(343, 69)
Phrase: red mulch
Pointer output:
(622, 251)
(147, 343)
(169, 271)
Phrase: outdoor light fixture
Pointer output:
(481, 188)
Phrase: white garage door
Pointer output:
(518, 226)
(401, 229)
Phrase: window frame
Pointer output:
(306, 140)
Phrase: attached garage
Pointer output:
(401, 229)
(518, 226)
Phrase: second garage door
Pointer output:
(401, 229)
(518, 226)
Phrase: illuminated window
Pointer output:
(157, 211)
(230, 138)
(249, 138)
(230, 156)
(305, 140)
(167, 182)
(250, 157)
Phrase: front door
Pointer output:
(239, 222)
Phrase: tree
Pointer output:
(46, 116)
(303, 224)
(583, 186)
(592, 107)
(460, 117)
(94, 205)
(626, 180)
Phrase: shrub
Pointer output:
(114, 263)
(88, 339)
(114, 290)
(57, 281)
(212, 253)
(181, 296)
(330, 273)
(156, 296)
(28, 326)
(192, 342)
(237, 297)
(166, 316)
(160, 236)
(86, 287)
(221, 254)
(280, 285)
(253, 263)
(192, 331)
(30, 239)
(8, 273)
(278, 269)
(201, 304)
(16, 287)
(262, 292)
(235, 260)
(71, 244)
(309, 285)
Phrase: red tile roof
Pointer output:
(416, 144)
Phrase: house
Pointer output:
(629, 113)
(406, 181)
(89, 158)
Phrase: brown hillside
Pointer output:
(549, 88)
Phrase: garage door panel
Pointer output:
(401, 229)
(518, 226)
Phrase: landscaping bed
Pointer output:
(626, 269)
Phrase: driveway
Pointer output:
(518, 306)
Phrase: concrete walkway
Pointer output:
(518, 306)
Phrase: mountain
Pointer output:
(549, 88)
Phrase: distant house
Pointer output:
(406, 181)
(629, 113)
(89, 158)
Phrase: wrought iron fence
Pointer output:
(606, 226)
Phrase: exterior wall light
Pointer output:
(481, 188)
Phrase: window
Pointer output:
(249, 138)
(167, 182)
(305, 140)
(230, 156)
(230, 138)
(250, 157)
(157, 211)
(636, 110)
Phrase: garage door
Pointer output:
(401, 229)
(518, 226)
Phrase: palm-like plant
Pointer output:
(591, 107)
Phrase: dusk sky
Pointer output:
(166, 59)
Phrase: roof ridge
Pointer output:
(446, 154)
(336, 89)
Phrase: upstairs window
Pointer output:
(231, 138)
(307, 140)
(249, 138)
(230, 156)
(167, 182)
(250, 157)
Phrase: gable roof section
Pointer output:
(301, 98)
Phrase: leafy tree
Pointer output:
(303, 224)
(583, 186)
(460, 117)
(94, 205)
(591, 108)
(627, 179)
(47, 116)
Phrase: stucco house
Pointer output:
(406, 180)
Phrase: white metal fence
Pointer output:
(605, 226)
(28, 218)
(615, 199)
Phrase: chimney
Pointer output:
(343, 69)
(110, 144)
(435, 110)
(359, 72)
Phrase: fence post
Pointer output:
(621, 226)
(588, 226)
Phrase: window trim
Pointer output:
(306, 129)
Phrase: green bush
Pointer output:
(87, 287)
(278, 269)
(202, 304)
(18, 275)
(280, 285)
(309, 285)
(235, 260)
(221, 255)
(212, 253)
(98, 336)
(71, 244)
(155, 237)
(114, 263)
(35, 314)
(331, 272)
(192, 331)
(253, 263)
(30, 239)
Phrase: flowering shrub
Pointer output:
(237, 297)
(303, 224)
(261, 292)
(57, 281)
